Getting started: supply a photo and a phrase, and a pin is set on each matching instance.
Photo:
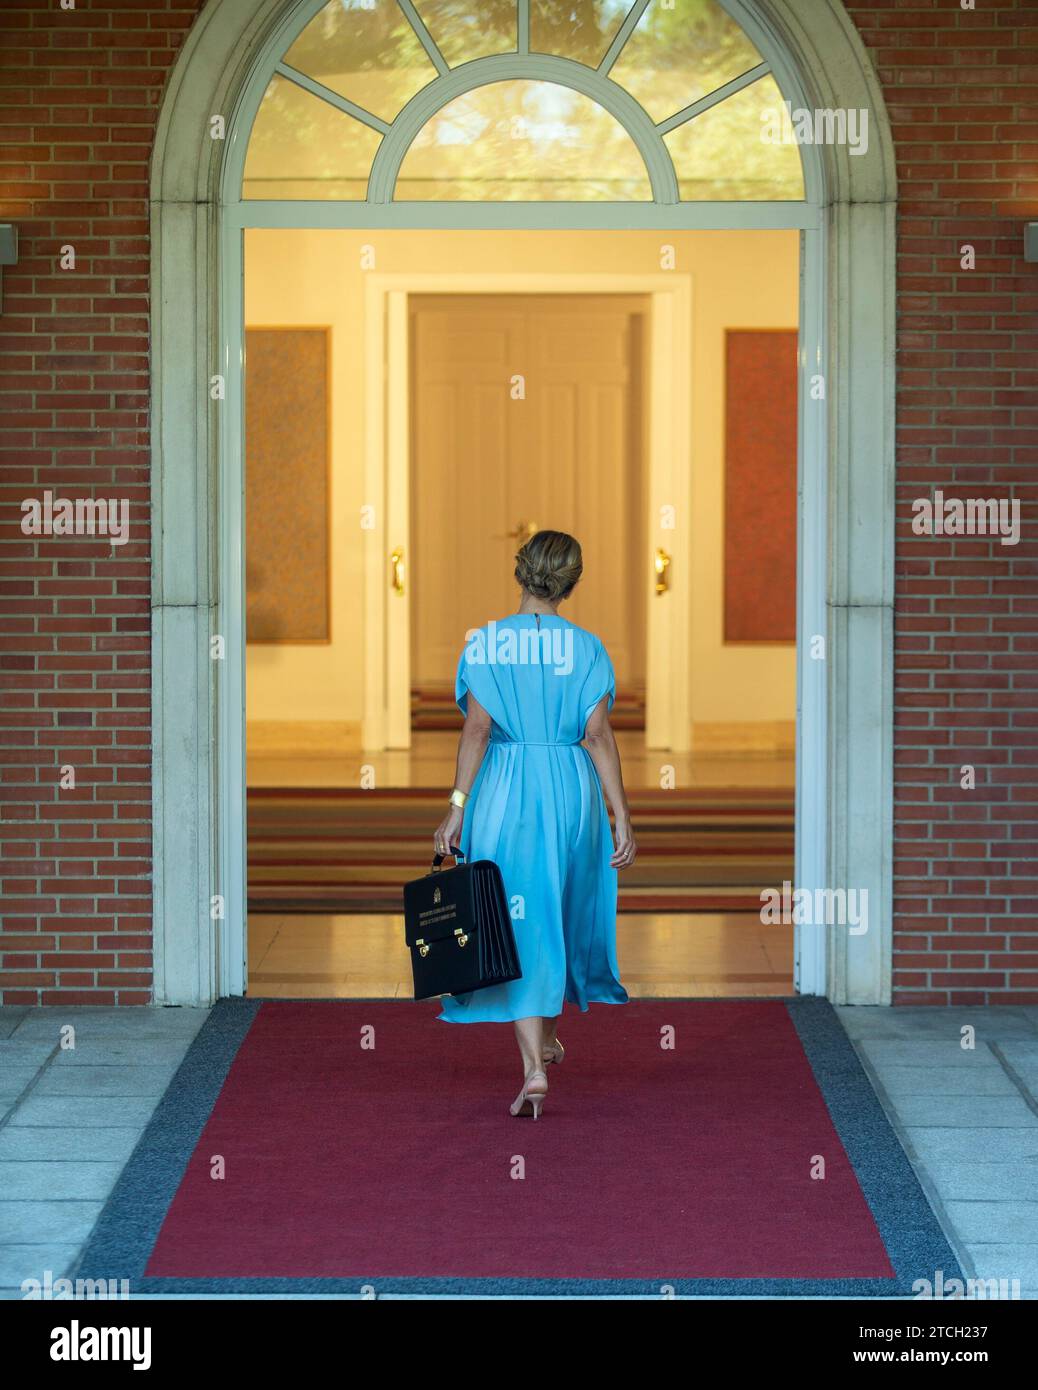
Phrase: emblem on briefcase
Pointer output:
(437, 894)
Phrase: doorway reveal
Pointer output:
(847, 226)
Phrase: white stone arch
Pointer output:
(814, 49)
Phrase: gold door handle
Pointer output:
(662, 568)
(523, 531)
(397, 561)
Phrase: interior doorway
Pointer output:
(591, 266)
(590, 399)
(527, 413)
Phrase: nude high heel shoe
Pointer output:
(554, 1052)
(531, 1097)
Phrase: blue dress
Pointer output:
(536, 808)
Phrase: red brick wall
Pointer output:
(960, 88)
(80, 94)
(78, 103)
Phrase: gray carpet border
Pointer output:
(126, 1231)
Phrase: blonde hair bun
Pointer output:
(549, 565)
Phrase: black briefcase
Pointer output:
(458, 928)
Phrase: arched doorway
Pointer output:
(240, 56)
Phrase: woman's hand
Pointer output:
(448, 832)
(625, 847)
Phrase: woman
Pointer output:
(534, 756)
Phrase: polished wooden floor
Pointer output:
(700, 955)
(430, 763)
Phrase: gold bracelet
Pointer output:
(458, 798)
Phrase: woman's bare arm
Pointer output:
(472, 747)
(601, 744)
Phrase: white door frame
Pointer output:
(386, 722)
(846, 476)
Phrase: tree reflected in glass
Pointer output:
(523, 141)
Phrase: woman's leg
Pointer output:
(529, 1034)
(548, 1038)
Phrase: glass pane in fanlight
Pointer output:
(364, 50)
(301, 147)
(677, 55)
(577, 29)
(725, 153)
(522, 141)
(467, 29)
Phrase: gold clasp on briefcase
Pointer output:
(462, 936)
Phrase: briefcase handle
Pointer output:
(439, 858)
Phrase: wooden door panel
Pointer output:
(455, 513)
(603, 490)
(568, 456)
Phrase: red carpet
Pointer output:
(398, 1161)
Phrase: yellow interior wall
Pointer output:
(740, 279)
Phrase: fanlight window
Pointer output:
(535, 101)
(531, 140)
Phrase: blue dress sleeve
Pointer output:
(475, 675)
(600, 680)
(463, 681)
